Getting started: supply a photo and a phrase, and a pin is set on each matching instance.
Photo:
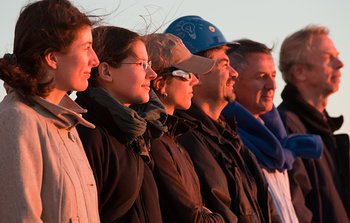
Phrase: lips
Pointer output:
(230, 83)
(87, 75)
(146, 86)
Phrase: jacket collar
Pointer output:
(67, 112)
(178, 126)
(317, 122)
(223, 132)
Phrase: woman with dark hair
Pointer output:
(118, 149)
(47, 174)
(178, 184)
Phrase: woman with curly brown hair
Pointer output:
(48, 177)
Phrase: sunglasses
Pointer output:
(186, 76)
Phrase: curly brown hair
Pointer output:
(42, 27)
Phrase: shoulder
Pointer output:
(17, 116)
(291, 120)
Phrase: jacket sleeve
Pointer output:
(21, 167)
(174, 191)
(215, 192)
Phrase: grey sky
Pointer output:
(265, 21)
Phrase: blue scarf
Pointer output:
(268, 139)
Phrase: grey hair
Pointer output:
(295, 47)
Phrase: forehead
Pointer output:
(83, 35)
(219, 54)
(139, 49)
(260, 62)
(322, 43)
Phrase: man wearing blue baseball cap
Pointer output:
(232, 183)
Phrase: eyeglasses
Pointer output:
(145, 64)
(187, 76)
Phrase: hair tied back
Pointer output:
(11, 58)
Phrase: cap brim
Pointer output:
(197, 64)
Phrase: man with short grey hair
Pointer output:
(310, 66)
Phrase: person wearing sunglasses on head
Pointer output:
(177, 181)
(118, 149)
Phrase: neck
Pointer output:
(316, 100)
(211, 108)
(320, 103)
(55, 96)
(169, 110)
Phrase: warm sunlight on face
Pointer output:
(180, 92)
(131, 81)
(219, 82)
(74, 65)
(256, 85)
(324, 72)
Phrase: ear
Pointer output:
(104, 72)
(159, 84)
(51, 60)
(299, 73)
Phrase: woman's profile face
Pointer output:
(74, 65)
(131, 81)
(179, 92)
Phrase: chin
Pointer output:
(231, 98)
(185, 107)
(144, 100)
(82, 87)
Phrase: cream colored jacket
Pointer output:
(44, 173)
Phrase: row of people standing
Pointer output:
(153, 160)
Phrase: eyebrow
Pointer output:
(138, 58)
(223, 60)
(330, 53)
(86, 43)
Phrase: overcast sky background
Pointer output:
(267, 21)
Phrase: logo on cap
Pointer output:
(212, 29)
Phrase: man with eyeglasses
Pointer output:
(232, 183)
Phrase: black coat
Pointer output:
(323, 183)
(126, 187)
(178, 184)
(228, 186)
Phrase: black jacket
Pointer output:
(228, 186)
(178, 184)
(126, 187)
(323, 182)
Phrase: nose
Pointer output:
(270, 83)
(150, 74)
(194, 80)
(94, 61)
(338, 63)
(233, 72)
